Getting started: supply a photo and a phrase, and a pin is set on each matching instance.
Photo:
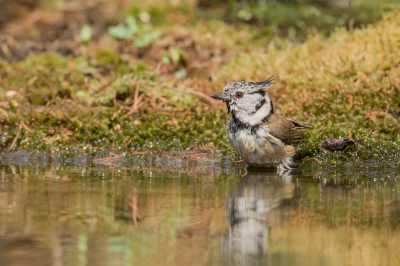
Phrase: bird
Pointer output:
(260, 136)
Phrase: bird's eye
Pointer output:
(239, 94)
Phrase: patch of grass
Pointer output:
(93, 104)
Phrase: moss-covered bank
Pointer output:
(113, 93)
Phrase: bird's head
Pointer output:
(247, 101)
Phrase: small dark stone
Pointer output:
(337, 144)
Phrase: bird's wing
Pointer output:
(283, 129)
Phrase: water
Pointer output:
(71, 212)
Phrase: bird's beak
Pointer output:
(221, 97)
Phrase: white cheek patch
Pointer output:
(257, 117)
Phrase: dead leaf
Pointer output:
(337, 144)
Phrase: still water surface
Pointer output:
(69, 213)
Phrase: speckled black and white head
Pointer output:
(247, 101)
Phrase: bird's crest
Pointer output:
(249, 86)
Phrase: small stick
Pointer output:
(370, 117)
(16, 137)
(204, 96)
(316, 160)
(26, 127)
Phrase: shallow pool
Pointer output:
(87, 212)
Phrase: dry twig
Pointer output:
(16, 137)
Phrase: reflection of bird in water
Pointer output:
(257, 204)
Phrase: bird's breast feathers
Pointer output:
(258, 147)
